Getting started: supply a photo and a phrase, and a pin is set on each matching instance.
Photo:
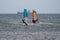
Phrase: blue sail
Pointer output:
(25, 13)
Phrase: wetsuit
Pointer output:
(35, 21)
(23, 20)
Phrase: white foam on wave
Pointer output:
(15, 21)
(48, 23)
(45, 23)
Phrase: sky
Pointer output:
(41, 6)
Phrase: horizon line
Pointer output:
(37, 13)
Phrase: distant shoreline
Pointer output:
(38, 13)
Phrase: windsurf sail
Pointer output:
(34, 17)
(25, 17)
(25, 13)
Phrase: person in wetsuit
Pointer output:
(34, 17)
(25, 17)
(23, 20)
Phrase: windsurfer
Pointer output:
(25, 17)
(34, 17)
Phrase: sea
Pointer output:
(12, 28)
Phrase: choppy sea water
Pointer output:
(12, 29)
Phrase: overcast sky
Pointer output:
(41, 6)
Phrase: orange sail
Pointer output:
(34, 17)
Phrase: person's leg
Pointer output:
(33, 21)
(36, 21)
(23, 20)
